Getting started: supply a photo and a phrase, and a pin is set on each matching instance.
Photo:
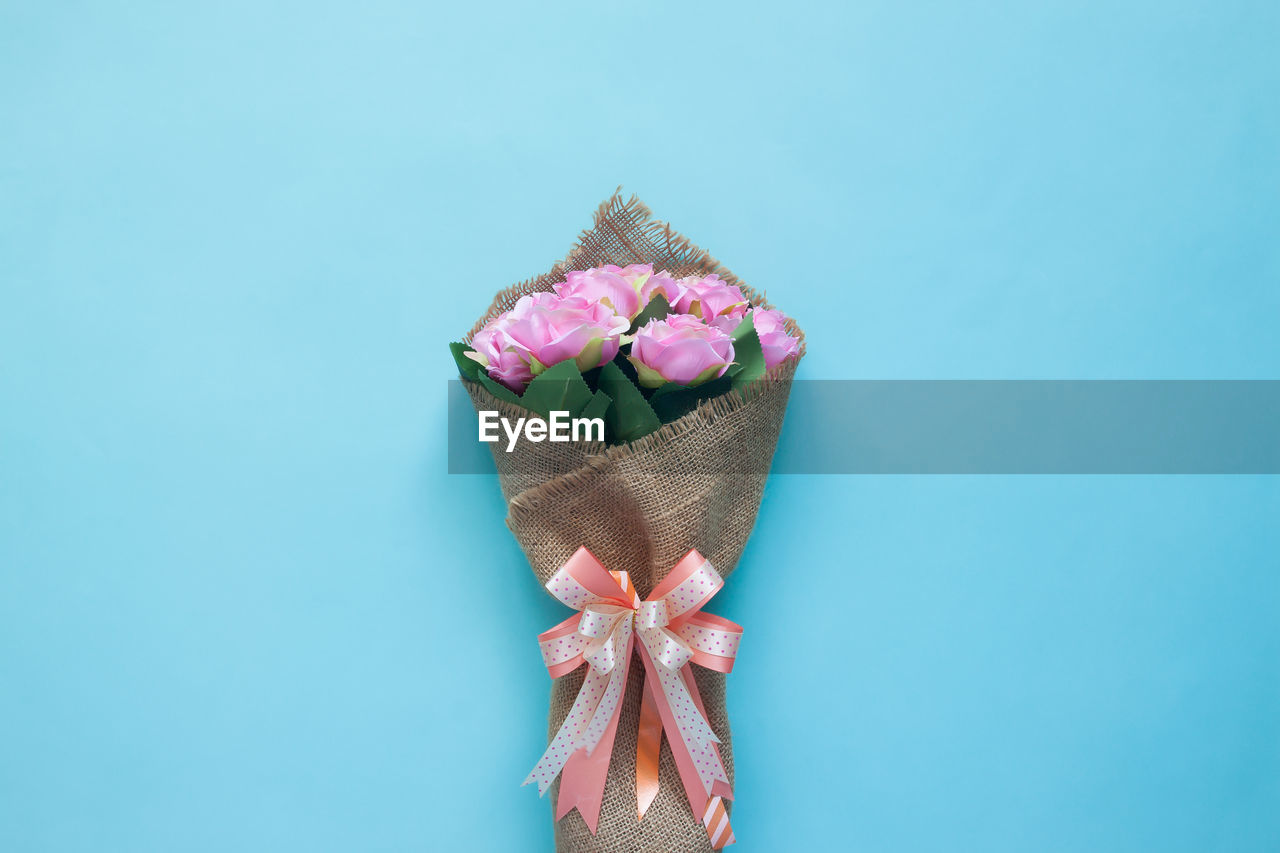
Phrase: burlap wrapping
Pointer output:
(696, 483)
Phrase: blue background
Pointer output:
(235, 238)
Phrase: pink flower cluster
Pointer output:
(587, 317)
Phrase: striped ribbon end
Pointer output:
(624, 581)
(717, 822)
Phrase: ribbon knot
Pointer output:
(672, 633)
(652, 614)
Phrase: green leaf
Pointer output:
(559, 388)
(747, 355)
(630, 417)
(598, 407)
(646, 377)
(624, 365)
(666, 388)
(657, 309)
(497, 389)
(468, 367)
(592, 378)
(672, 402)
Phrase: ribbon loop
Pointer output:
(605, 654)
(668, 650)
(599, 620)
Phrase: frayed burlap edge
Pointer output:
(675, 245)
(704, 416)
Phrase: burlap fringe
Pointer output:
(674, 245)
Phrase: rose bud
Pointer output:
(776, 344)
(680, 349)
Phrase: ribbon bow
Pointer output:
(672, 633)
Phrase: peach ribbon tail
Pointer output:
(648, 751)
(583, 778)
(707, 806)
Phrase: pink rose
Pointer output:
(709, 297)
(728, 323)
(771, 329)
(635, 274)
(617, 287)
(545, 329)
(672, 289)
(680, 349)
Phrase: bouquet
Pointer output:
(632, 398)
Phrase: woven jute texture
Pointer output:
(640, 507)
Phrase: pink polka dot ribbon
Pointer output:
(672, 632)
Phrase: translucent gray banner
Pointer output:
(999, 427)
